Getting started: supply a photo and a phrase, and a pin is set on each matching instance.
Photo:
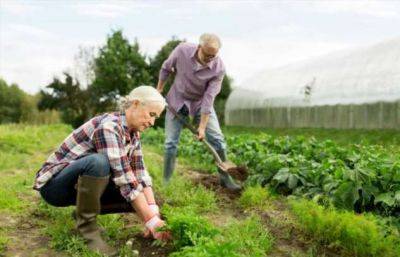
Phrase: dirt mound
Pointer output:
(240, 173)
(211, 182)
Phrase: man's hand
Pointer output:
(201, 133)
(160, 86)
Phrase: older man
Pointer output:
(99, 168)
(199, 74)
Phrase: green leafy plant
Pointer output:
(187, 227)
(254, 197)
(360, 177)
(359, 235)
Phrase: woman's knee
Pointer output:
(56, 198)
(98, 165)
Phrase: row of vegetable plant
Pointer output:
(358, 177)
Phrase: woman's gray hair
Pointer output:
(208, 39)
(143, 94)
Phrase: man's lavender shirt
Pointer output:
(195, 85)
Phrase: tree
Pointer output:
(67, 97)
(155, 66)
(160, 57)
(220, 100)
(83, 70)
(119, 68)
(11, 101)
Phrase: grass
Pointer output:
(359, 235)
(59, 226)
(243, 234)
(188, 207)
(24, 148)
(255, 197)
(3, 241)
(180, 192)
(27, 147)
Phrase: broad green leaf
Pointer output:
(282, 175)
(386, 198)
(347, 195)
(292, 181)
(397, 196)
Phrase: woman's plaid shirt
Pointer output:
(107, 134)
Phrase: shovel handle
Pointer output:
(194, 131)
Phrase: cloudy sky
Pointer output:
(39, 39)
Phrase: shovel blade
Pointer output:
(225, 166)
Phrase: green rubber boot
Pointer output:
(88, 207)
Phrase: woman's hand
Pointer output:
(153, 225)
(156, 210)
(154, 207)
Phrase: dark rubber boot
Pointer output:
(224, 178)
(169, 166)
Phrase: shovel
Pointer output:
(239, 173)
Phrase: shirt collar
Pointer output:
(123, 121)
(208, 65)
(128, 135)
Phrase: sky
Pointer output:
(39, 39)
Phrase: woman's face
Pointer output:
(141, 116)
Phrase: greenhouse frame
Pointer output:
(352, 89)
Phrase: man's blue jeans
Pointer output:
(173, 130)
(60, 190)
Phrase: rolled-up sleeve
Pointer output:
(107, 140)
(169, 65)
(213, 89)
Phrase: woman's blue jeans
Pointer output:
(61, 191)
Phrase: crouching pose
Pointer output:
(99, 168)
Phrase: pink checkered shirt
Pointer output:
(107, 134)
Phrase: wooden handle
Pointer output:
(194, 131)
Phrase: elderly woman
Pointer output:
(99, 168)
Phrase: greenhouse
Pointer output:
(357, 88)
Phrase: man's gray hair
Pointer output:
(208, 39)
(143, 94)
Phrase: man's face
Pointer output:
(207, 53)
(141, 116)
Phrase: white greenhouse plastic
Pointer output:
(349, 89)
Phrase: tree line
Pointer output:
(112, 72)
(18, 106)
